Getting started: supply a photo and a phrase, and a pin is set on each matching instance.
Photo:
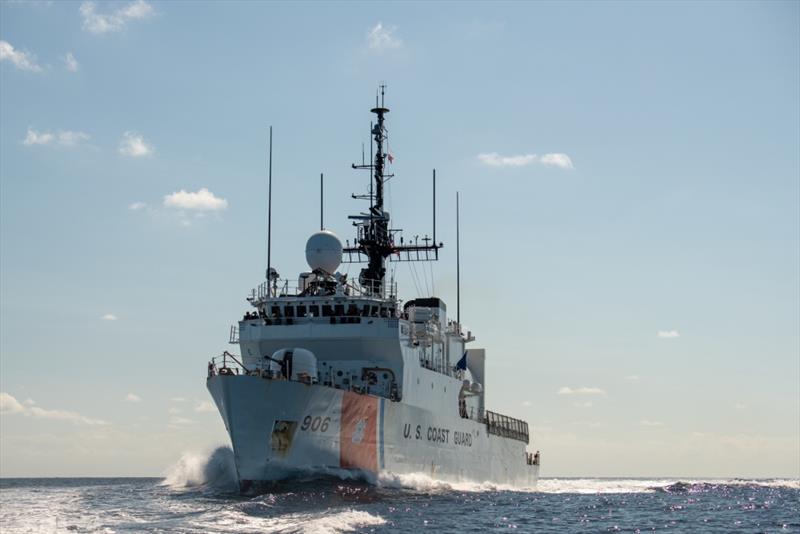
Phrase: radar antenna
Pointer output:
(376, 240)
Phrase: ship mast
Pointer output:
(375, 242)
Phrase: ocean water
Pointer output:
(199, 495)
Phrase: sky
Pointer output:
(629, 176)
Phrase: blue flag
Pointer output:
(462, 363)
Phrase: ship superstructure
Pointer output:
(339, 375)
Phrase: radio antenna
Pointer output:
(321, 226)
(269, 213)
(458, 268)
(434, 213)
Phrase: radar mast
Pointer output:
(376, 240)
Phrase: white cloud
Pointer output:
(587, 404)
(205, 406)
(37, 138)
(493, 159)
(95, 22)
(632, 378)
(556, 160)
(21, 60)
(109, 317)
(10, 405)
(70, 138)
(668, 334)
(178, 399)
(580, 391)
(132, 397)
(527, 403)
(70, 63)
(645, 422)
(496, 160)
(174, 411)
(134, 145)
(29, 401)
(381, 38)
(66, 138)
(137, 10)
(137, 206)
(202, 200)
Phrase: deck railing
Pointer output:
(285, 287)
(502, 425)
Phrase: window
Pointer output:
(327, 311)
(276, 311)
(301, 311)
(339, 310)
(288, 311)
(313, 311)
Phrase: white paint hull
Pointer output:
(280, 427)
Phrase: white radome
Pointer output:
(324, 251)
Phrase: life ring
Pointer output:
(226, 371)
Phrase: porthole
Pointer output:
(338, 373)
(386, 376)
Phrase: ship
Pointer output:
(340, 376)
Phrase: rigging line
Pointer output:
(425, 278)
(433, 287)
(413, 277)
(416, 277)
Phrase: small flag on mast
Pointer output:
(462, 363)
(391, 158)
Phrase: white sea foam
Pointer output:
(344, 521)
(327, 522)
(635, 485)
(424, 483)
(193, 469)
(601, 485)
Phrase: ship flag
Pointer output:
(462, 363)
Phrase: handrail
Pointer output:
(510, 427)
(214, 369)
(234, 358)
(286, 287)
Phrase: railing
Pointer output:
(286, 287)
(229, 365)
(501, 425)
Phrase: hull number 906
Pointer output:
(315, 424)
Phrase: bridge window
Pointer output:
(339, 310)
(327, 311)
(301, 311)
(289, 311)
(313, 310)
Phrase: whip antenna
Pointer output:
(269, 213)
(458, 268)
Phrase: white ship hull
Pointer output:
(279, 428)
